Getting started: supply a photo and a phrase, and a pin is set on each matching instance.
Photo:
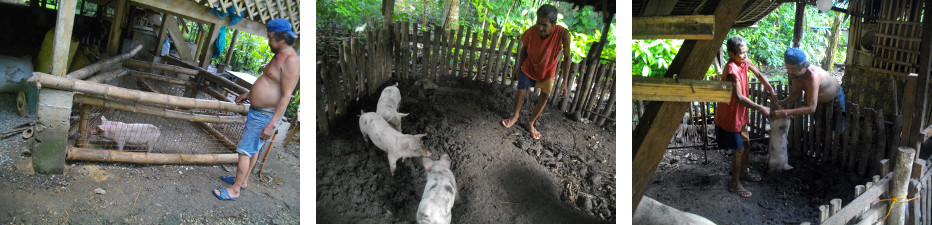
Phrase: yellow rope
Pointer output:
(895, 200)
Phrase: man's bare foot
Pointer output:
(507, 123)
(747, 175)
(736, 188)
(534, 133)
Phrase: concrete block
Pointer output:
(53, 114)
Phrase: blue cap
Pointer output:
(280, 25)
(794, 56)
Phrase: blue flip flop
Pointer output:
(224, 195)
(230, 180)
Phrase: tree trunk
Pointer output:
(451, 14)
(827, 63)
(799, 22)
(388, 11)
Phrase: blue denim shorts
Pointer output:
(256, 120)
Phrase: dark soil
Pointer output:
(684, 181)
(139, 194)
(503, 175)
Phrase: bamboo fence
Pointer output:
(408, 52)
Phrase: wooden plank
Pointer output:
(692, 27)
(470, 58)
(177, 37)
(656, 128)
(880, 137)
(855, 135)
(564, 106)
(370, 64)
(597, 93)
(909, 101)
(493, 57)
(428, 67)
(61, 45)
(866, 146)
(914, 209)
(919, 108)
(445, 53)
(209, 47)
(504, 59)
(455, 52)
(611, 107)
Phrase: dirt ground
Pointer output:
(139, 194)
(503, 175)
(684, 181)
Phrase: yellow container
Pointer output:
(44, 63)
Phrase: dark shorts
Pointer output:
(727, 139)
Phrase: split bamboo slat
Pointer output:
(557, 83)
(444, 52)
(564, 105)
(471, 57)
(598, 72)
(457, 53)
(517, 64)
(436, 53)
(70, 84)
(83, 154)
(427, 66)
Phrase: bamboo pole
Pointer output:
(152, 76)
(155, 111)
(213, 132)
(150, 65)
(82, 128)
(111, 156)
(42, 79)
(89, 70)
(108, 75)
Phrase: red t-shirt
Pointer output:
(541, 61)
(732, 116)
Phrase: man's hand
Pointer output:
(267, 132)
(779, 114)
(765, 110)
(243, 97)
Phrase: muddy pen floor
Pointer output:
(502, 174)
(117, 193)
(684, 181)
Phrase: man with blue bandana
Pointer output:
(819, 87)
(269, 97)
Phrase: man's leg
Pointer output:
(736, 171)
(541, 102)
(519, 101)
(242, 173)
(745, 173)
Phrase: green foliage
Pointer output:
(293, 105)
(252, 52)
(509, 17)
(652, 57)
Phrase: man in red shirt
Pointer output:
(731, 117)
(538, 59)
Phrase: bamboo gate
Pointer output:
(173, 98)
(409, 52)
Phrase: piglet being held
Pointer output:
(392, 141)
(133, 133)
(778, 160)
(439, 193)
(388, 106)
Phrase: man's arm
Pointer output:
(760, 77)
(290, 75)
(795, 93)
(812, 101)
(567, 59)
(744, 100)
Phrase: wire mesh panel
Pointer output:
(138, 131)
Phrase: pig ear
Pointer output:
(445, 159)
(400, 115)
(420, 136)
(427, 163)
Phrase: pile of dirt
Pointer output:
(503, 175)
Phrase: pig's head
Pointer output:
(429, 164)
(414, 144)
(105, 125)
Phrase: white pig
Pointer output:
(439, 193)
(388, 106)
(778, 159)
(122, 133)
(651, 211)
(392, 141)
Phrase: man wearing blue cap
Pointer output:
(269, 97)
(818, 85)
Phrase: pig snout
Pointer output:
(425, 153)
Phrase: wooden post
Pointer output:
(880, 136)
(656, 128)
(388, 11)
(899, 184)
(177, 36)
(209, 47)
(62, 42)
(116, 28)
(799, 22)
(83, 127)
(231, 49)
(918, 111)
(914, 207)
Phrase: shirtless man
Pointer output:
(269, 98)
(819, 87)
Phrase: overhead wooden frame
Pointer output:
(680, 90)
(660, 120)
(693, 27)
(200, 13)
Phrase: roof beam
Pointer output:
(680, 90)
(658, 7)
(201, 13)
(695, 27)
(661, 119)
